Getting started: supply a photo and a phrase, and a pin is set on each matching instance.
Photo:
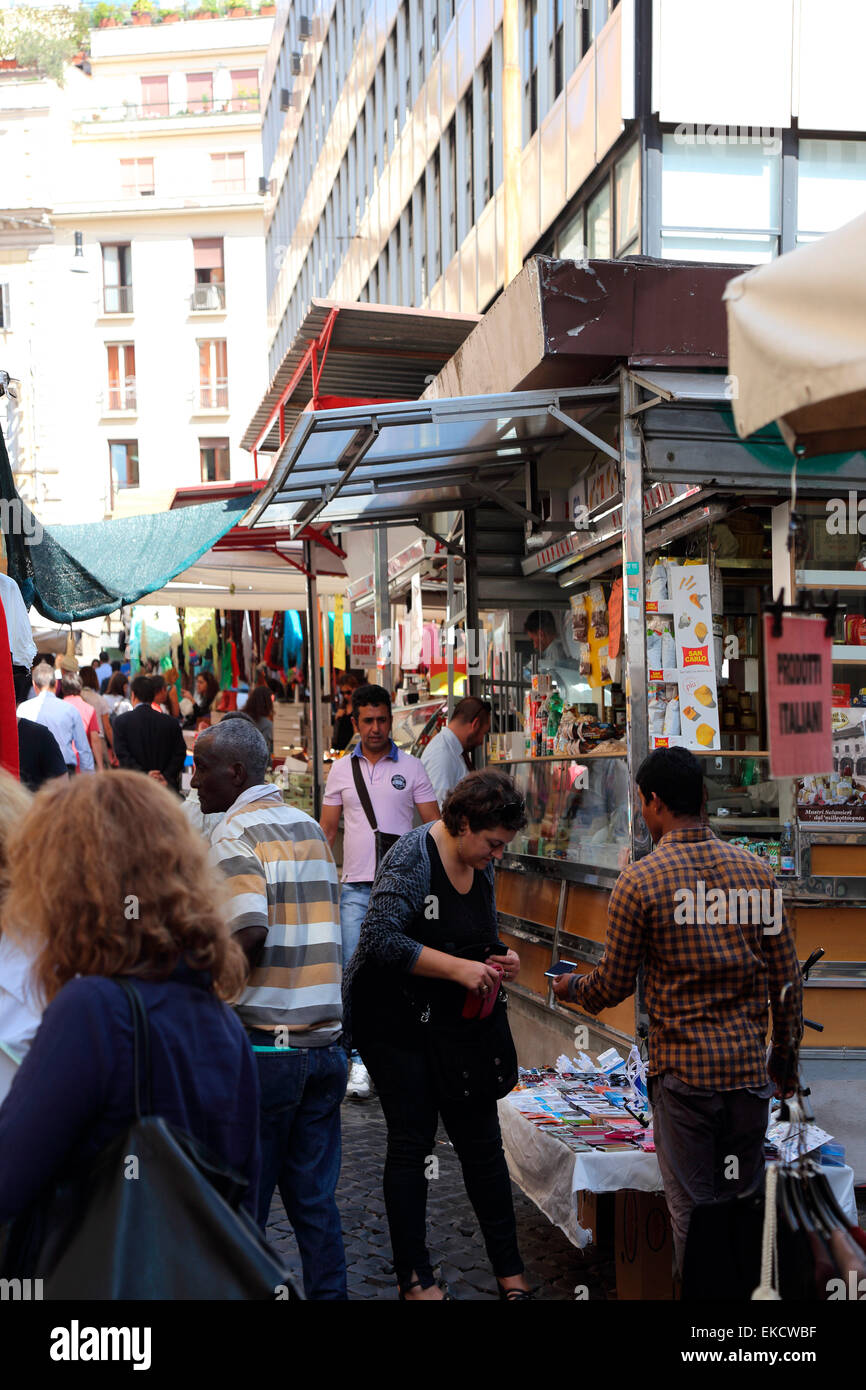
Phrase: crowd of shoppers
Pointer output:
(273, 989)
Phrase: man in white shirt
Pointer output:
(445, 757)
(21, 642)
(61, 717)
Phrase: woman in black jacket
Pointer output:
(423, 1003)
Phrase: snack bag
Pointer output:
(657, 581)
(603, 665)
(598, 614)
(585, 660)
(654, 646)
(579, 618)
(657, 707)
(669, 648)
(672, 716)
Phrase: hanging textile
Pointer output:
(246, 652)
(225, 673)
(236, 674)
(8, 720)
(339, 647)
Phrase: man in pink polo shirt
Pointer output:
(396, 783)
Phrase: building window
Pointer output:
(529, 65)
(831, 185)
(436, 256)
(214, 459)
(213, 374)
(154, 96)
(598, 239)
(136, 177)
(486, 132)
(5, 311)
(556, 48)
(451, 146)
(199, 92)
(468, 163)
(245, 90)
(121, 376)
(720, 202)
(209, 291)
(117, 278)
(626, 182)
(123, 462)
(571, 243)
(228, 174)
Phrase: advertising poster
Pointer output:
(799, 668)
(683, 697)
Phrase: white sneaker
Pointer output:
(359, 1081)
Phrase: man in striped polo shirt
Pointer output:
(284, 907)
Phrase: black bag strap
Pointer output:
(363, 794)
(140, 1048)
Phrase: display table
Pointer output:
(552, 1175)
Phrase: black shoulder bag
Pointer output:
(382, 839)
(156, 1217)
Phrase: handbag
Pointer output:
(156, 1217)
(382, 839)
(473, 1056)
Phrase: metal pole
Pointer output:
(634, 603)
(383, 602)
(314, 677)
(512, 137)
(449, 619)
(470, 579)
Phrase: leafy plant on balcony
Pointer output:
(143, 7)
(102, 12)
(44, 39)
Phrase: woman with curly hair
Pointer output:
(108, 880)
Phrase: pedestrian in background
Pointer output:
(92, 898)
(392, 784)
(260, 708)
(101, 708)
(148, 742)
(61, 717)
(429, 958)
(70, 693)
(283, 890)
(446, 759)
(706, 986)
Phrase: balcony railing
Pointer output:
(118, 299)
(169, 110)
(122, 397)
(214, 395)
(208, 297)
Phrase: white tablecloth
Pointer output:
(552, 1175)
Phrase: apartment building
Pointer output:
(134, 311)
(417, 151)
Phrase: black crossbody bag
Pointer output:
(382, 839)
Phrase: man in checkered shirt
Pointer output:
(705, 920)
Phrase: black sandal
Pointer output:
(516, 1295)
(447, 1297)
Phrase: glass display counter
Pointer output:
(577, 809)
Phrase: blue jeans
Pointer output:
(301, 1093)
(354, 900)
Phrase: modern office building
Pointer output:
(133, 264)
(417, 151)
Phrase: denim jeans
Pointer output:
(354, 900)
(412, 1107)
(301, 1093)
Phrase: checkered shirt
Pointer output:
(707, 982)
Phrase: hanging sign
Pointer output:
(363, 640)
(799, 669)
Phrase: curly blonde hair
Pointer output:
(108, 877)
(14, 804)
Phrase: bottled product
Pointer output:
(787, 863)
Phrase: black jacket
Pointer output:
(39, 755)
(150, 742)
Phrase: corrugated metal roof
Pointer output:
(376, 351)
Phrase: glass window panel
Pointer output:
(598, 225)
(570, 244)
(729, 187)
(627, 194)
(831, 184)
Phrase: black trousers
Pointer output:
(412, 1109)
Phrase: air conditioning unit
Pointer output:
(296, 64)
(305, 27)
(263, 186)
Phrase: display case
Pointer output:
(577, 810)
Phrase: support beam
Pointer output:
(383, 603)
(314, 678)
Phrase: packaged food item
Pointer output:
(669, 648)
(704, 696)
(657, 581)
(672, 716)
(654, 645)
(585, 660)
(705, 735)
(579, 618)
(598, 611)
(657, 706)
(841, 695)
(604, 667)
(691, 713)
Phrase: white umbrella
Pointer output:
(797, 344)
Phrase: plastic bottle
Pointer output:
(787, 862)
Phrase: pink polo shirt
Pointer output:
(397, 784)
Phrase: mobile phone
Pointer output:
(562, 967)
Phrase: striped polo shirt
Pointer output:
(282, 877)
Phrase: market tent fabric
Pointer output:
(797, 347)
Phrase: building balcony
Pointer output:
(118, 299)
(214, 396)
(208, 299)
(127, 111)
(122, 397)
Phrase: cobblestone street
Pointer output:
(552, 1262)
